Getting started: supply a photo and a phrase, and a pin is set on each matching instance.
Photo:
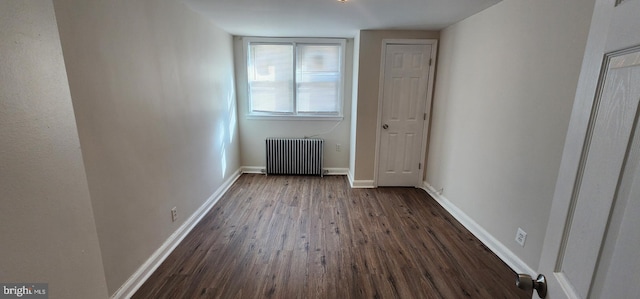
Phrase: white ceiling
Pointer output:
(329, 18)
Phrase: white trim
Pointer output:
(253, 169)
(153, 262)
(357, 184)
(295, 41)
(293, 117)
(428, 101)
(408, 41)
(336, 171)
(506, 255)
(383, 55)
(361, 184)
(427, 109)
(328, 170)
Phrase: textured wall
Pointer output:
(506, 82)
(46, 220)
(152, 84)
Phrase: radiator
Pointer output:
(294, 156)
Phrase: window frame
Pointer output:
(295, 115)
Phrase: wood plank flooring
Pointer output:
(311, 237)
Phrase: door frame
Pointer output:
(429, 99)
(599, 43)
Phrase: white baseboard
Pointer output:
(506, 255)
(153, 262)
(362, 184)
(355, 184)
(336, 171)
(260, 169)
(252, 169)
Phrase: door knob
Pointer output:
(525, 282)
(385, 126)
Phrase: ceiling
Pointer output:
(330, 18)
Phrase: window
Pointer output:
(295, 77)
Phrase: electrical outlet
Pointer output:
(174, 214)
(521, 236)
(338, 147)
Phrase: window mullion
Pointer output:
(295, 78)
(316, 97)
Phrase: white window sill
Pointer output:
(293, 117)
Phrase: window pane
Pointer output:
(318, 78)
(270, 72)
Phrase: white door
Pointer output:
(591, 244)
(404, 110)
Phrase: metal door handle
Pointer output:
(525, 282)
(385, 126)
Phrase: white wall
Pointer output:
(354, 103)
(153, 92)
(46, 220)
(505, 87)
(253, 132)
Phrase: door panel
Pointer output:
(618, 270)
(585, 239)
(404, 98)
(606, 155)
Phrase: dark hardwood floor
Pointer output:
(311, 237)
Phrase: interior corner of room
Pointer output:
(122, 124)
